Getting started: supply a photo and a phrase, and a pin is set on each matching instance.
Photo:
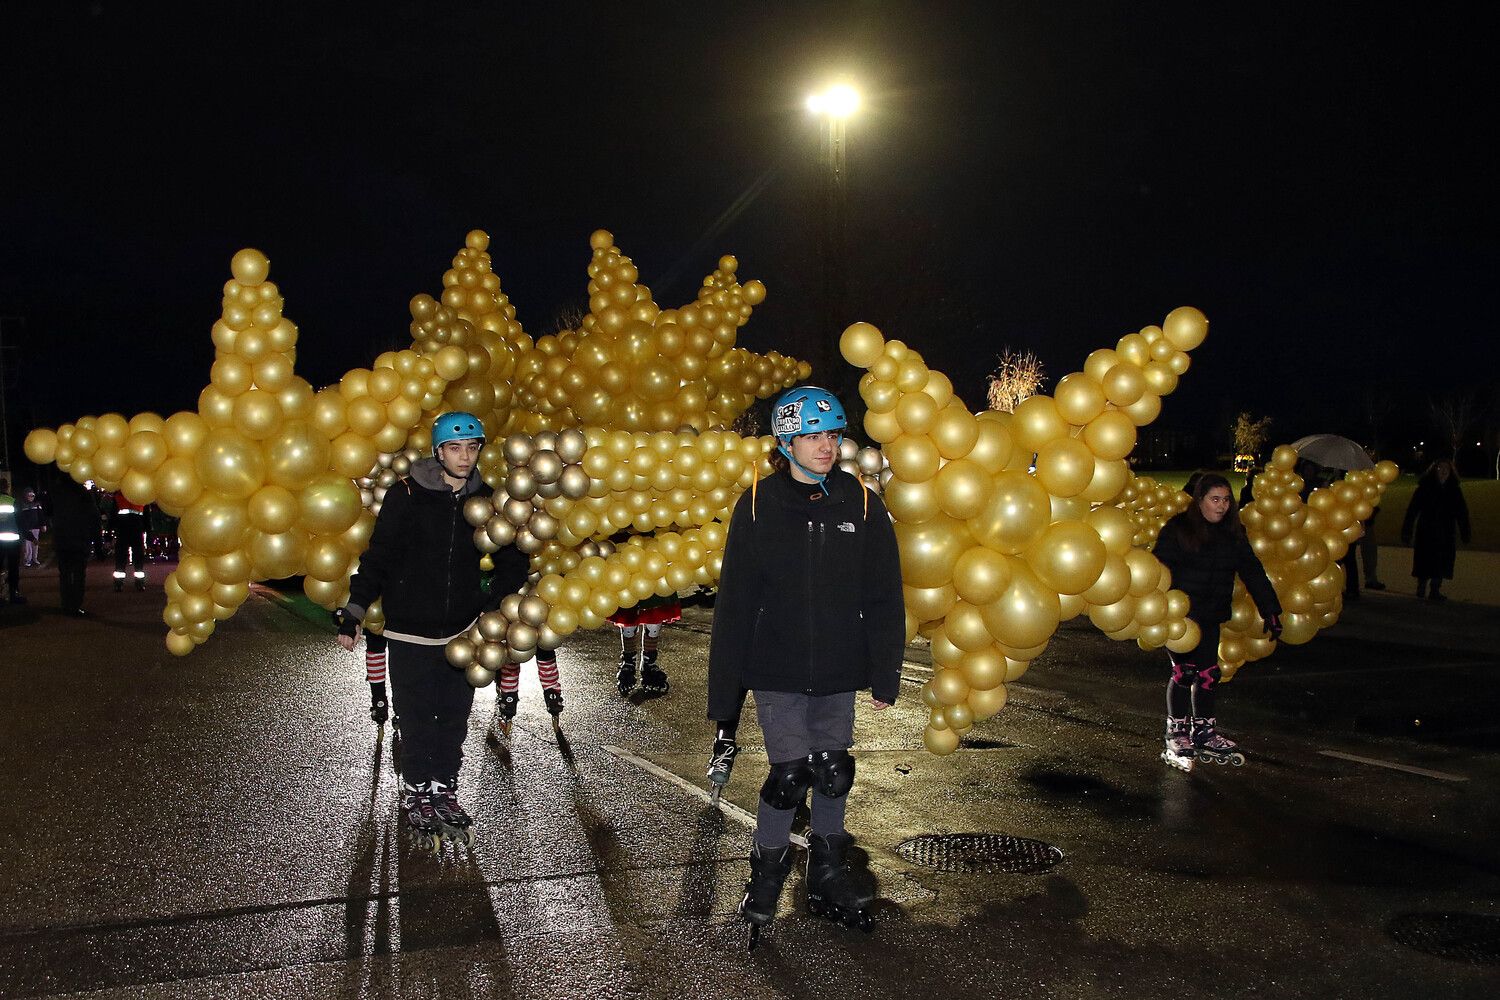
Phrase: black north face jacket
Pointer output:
(422, 560)
(809, 595)
(1207, 574)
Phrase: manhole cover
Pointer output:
(973, 852)
(1465, 937)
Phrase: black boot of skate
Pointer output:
(505, 709)
(456, 823)
(625, 678)
(380, 709)
(422, 823)
(769, 868)
(554, 701)
(653, 678)
(834, 890)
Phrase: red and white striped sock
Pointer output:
(546, 669)
(651, 640)
(375, 666)
(510, 678)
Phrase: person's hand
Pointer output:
(878, 705)
(1273, 628)
(348, 627)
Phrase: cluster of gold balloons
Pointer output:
(1300, 545)
(1006, 522)
(272, 479)
(634, 366)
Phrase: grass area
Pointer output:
(1482, 496)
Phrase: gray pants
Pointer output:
(795, 725)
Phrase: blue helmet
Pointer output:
(457, 426)
(806, 409)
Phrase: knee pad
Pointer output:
(1208, 677)
(833, 772)
(787, 784)
(652, 630)
(1183, 673)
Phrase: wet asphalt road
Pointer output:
(225, 826)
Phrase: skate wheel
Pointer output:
(754, 936)
(1238, 760)
(713, 795)
(866, 922)
(815, 907)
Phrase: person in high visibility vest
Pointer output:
(10, 542)
(130, 540)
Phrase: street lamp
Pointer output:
(833, 107)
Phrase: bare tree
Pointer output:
(1019, 375)
(1250, 434)
(1453, 414)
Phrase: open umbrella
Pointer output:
(1333, 452)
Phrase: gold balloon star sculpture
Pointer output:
(1008, 524)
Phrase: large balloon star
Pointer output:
(1008, 524)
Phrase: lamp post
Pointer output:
(833, 108)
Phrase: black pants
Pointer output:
(10, 555)
(435, 700)
(130, 534)
(70, 569)
(1193, 685)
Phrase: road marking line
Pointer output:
(725, 806)
(1424, 772)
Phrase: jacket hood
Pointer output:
(428, 474)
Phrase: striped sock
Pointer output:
(651, 640)
(510, 678)
(374, 666)
(546, 669)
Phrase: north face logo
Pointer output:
(846, 526)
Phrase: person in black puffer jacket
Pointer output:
(1205, 548)
(809, 612)
(424, 567)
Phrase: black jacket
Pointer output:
(809, 595)
(1207, 575)
(75, 518)
(422, 561)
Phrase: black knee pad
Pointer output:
(787, 784)
(833, 772)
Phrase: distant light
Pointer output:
(838, 101)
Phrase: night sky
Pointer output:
(1043, 176)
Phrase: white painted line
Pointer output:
(1424, 772)
(725, 806)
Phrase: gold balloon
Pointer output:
(214, 525)
(985, 703)
(1145, 572)
(352, 456)
(965, 627)
(329, 505)
(962, 489)
(955, 431)
(980, 575)
(1036, 421)
(861, 345)
(277, 556)
(916, 412)
(929, 550)
(1079, 398)
(949, 686)
(1064, 466)
(1017, 512)
(1068, 557)
(230, 464)
(1185, 328)
(913, 458)
(911, 503)
(1026, 614)
(1110, 435)
(940, 742)
(272, 509)
(984, 669)
(929, 603)
(992, 445)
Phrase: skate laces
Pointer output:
(724, 755)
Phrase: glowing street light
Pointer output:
(838, 101)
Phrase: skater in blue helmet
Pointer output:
(809, 612)
(423, 566)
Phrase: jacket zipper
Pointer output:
(448, 576)
(812, 635)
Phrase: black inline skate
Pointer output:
(505, 710)
(834, 890)
(457, 824)
(720, 764)
(1209, 745)
(625, 678)
(769, 868)
(1179, 751)
(380, 709)
(422, 823)
(554, 699)
(653, 678)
